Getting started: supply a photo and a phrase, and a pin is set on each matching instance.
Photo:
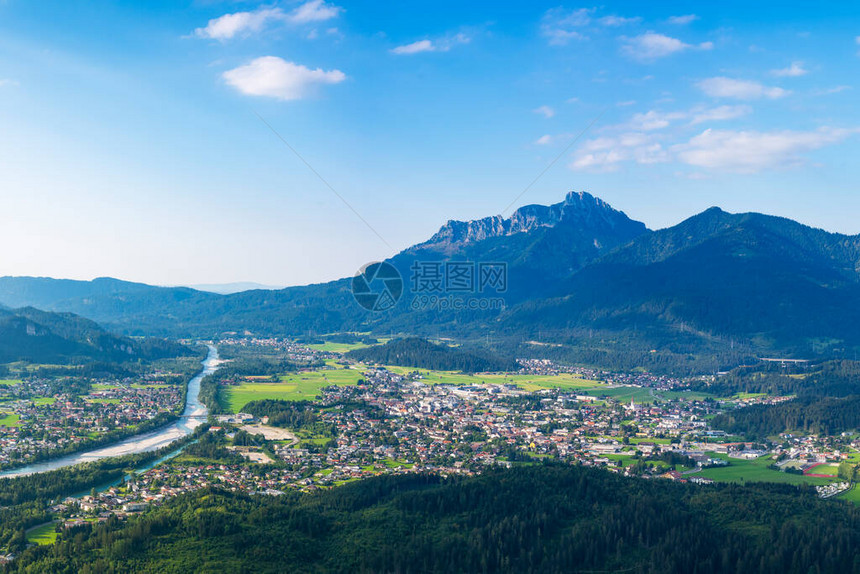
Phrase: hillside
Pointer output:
(547, 519)
(765, 281)
(420, 353)
(42, 337)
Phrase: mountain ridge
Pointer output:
(714, 281)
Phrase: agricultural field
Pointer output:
(9, 382)
(526, 382)
(741, 471)
(292, 387)
(332, 347)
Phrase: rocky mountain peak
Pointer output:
(579, 209)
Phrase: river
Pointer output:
(194, 415)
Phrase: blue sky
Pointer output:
(132, 144)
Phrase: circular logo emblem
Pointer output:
(377, 286)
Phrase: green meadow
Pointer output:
(293, 387)
(42, 535)
(9, 420)
(741, 471)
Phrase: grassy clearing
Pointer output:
(622, 394)
(9, 420)
(741, 471)
(9, 382)
(330, 347)
(744, 396)
(851, 495)
(39, 401)
(42, 535)
(293, 387)
(101, 401)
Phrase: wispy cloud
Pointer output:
(682, 20)
(606, 154)
(6, 82)
(443, 44)
(314, 11)
(614, 21)
(721, 113)
(559, 25)
(719, 150)
(829, 91)
(243, 23)
(654, 120)
(652, 46)
(545, 111)
(274, 77)
(794, 70)
(722, 87)
(753, 151)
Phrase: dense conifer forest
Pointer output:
(543, 518)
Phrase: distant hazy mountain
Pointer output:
(43, 337)
(136, 308)
(231, 288)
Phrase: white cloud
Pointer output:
(829, 91)
(545, 111)
(722, 87)
(314, 11)
(544, 140)
(607, 153)
(230, 25)
(721, 150)
(652, 46)
(439, 45)
(240, 23)
(682, 20)
(720, 113)
(4, 82)
(274, 77)
(614, 21)
(654, 120)
(794, 70)
(560, 26)
(752, 151)
(415, 47)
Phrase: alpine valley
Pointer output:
(711, 292)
